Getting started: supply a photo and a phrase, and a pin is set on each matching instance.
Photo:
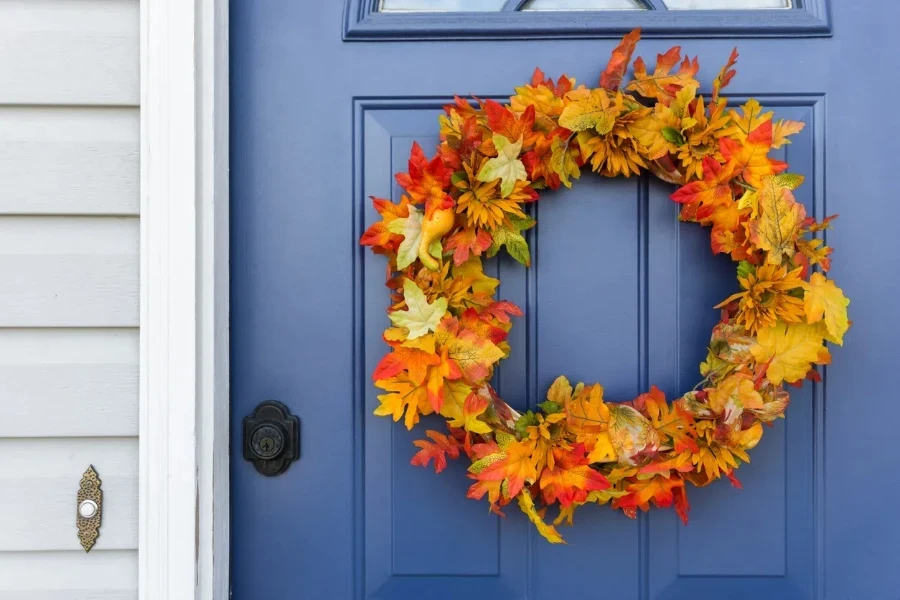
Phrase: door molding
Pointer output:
(183, 459)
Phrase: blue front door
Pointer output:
(327, 100)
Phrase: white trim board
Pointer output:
(183, 457)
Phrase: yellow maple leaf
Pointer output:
(778, 224)
(405, 395)
(589, 109)
(648, 131)
(602, 450)
(586, 412)
(824, 300)
(561, 391)
(753, 117)
(790, 350)
(473, 354)
(473, 406)
(563, 160)
(455, 394)
(526, 503)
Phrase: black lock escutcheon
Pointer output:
(271, 438)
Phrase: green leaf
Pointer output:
(673, 136)
(436, 249)
(411, 230)
(549, 407)
(506, 167)
(790, 181)
(420, 317)
(459, 176)
(512, 238)
(529, 419)
(522, 223)
(744, 268)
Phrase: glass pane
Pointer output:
(725, 4)
(440, 5)
(583, 5)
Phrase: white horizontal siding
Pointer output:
(68, 382)
(100, 575)
(69, 272)
(71, 52)
(40, 481)
(69, 198)
(69, 161)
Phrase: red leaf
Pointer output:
(442, 447)
(501, 311)
(468, 240)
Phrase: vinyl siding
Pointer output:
(69, 255)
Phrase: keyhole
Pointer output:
(267, 441)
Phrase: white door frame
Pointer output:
(184, 415)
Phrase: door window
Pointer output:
(416, 6)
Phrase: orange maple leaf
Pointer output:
(725, 75)
(509, 124)
(662, 84)
(512, 466)
(570, 479)
(700, 198)
(413, 360)
(612, 75)
(662, 491)
(751, 155)
(378, 234)
(427, 181)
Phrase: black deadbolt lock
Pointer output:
(271, 438)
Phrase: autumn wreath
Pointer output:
(449, 331)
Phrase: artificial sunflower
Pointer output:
(483, 204)
(612, 149)
(765, 298)
(701, 133)
(687, 130)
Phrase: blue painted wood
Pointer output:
(362, 21)
(619, 292)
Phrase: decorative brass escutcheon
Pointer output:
(89, 509)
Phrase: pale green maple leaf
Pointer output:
(506, 167)
(411, 230)
(420, 317)
(511, 237)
